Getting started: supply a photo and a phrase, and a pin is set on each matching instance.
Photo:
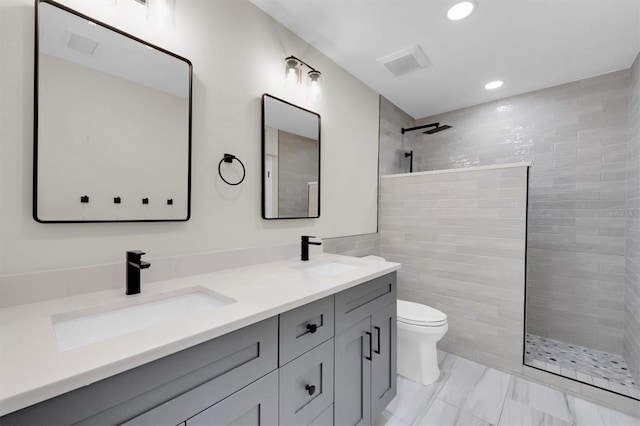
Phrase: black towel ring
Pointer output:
(228, 158)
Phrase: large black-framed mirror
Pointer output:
(112, 124)
(290, 160)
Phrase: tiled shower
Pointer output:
(582, 288)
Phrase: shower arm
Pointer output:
(411, 129)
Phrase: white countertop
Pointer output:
(32, 369)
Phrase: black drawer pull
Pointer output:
(312, 328)
(311, 389)
(378, 330)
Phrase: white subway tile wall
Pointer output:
(631, 345)
(355, 245)
(460, 237)
(576, 137)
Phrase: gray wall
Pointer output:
(632, 271)
(460, 237)
(576, 137)
(392, 147)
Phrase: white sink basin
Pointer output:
(80, 329)
(332, 267)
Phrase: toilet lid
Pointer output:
(419, 314)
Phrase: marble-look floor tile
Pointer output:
(387, 419)
(476, 389)
(542, 398)
(590, 414)
(515, 413)
(413, 398)
(442, 414)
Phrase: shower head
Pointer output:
(437, 129)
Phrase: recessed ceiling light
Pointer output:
(461, 10)
(493, 85)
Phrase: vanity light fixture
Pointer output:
(293, 76)
(493, 85)
(160, 13)
(461, 10)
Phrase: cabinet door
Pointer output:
(256, 404)
(352, 399)
(383, 364)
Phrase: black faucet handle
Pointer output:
(306, 237)
(135, 255)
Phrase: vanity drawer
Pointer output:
(359, 302)
(306, 386)
(304, 328)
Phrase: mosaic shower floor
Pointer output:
(588, 365)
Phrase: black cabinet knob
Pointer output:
(312, 328)
(311, 389)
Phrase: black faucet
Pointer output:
(304, 246)
(134, 265)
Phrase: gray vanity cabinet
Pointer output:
(332, 361)
(365, 354)
(255, 405)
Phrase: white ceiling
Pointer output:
(530, 44)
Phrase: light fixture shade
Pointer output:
(292, 73)
(315, 85)
(161, 14)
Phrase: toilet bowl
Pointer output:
(419, 329)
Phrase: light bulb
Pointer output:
(315, 88)
(292, 74)
(161, 14)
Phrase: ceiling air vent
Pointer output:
(82, 44)
(405, 61)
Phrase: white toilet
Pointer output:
(419, 329)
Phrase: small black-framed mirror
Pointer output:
(290, 160)
(112, 124)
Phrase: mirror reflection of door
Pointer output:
(271, 186)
